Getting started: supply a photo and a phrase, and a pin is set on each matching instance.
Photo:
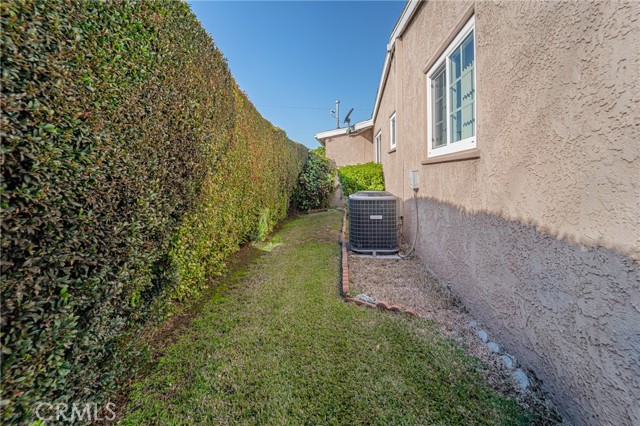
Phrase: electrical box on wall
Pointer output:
(413, 180)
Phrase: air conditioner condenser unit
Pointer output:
(373, 222)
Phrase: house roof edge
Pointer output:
(358, 127)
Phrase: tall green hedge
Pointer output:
(361, 177)
(132, 167)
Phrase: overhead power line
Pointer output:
(296, 107)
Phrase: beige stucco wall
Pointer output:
(355, 148)
(558, 107)
(540, 236)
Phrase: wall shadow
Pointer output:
(570, 313)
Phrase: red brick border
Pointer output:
(345, 257)
(345, 279)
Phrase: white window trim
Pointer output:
(393, 131)
(377, 147)
(464, 144)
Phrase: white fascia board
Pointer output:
(362, 125)
(331, 133)
(383, 79)
(406, 15)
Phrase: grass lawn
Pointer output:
(276, 345)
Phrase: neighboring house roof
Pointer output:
(409, 10)
(358, 127)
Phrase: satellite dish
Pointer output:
(347, 119)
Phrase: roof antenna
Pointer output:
(347, 120)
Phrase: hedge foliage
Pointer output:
(132, 167)
(361, 177)
(316, 182)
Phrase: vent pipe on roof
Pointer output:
(336, 114)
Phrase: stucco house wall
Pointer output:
(391, 166)
(539, 232)
(349, 149)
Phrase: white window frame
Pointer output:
(464, 144)
(393, 130)
(377, 146)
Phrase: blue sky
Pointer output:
(295, 58)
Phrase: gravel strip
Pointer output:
(408, 283)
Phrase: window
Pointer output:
(392, 131)
(378, 146)
(451, 91)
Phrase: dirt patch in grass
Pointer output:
(166, 333)
(160, 336)
(409, 284)
(154, 339)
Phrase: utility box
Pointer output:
(413, 180)
(373, 222)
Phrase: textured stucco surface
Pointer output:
(347, 150)
(569, 313)
(540, 236)
(558, 111)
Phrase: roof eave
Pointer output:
(358, 127)
(405, 18)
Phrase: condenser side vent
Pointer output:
(373, 222)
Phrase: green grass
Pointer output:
(276, 345)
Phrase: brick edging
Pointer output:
(345, 258)
(344, 290)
